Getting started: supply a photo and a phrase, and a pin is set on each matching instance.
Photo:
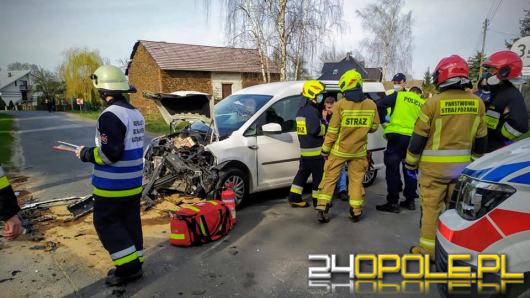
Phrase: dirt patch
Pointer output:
(79, 239)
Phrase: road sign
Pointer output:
(522, 48)
(79, 101)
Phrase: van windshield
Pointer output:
(232, 112)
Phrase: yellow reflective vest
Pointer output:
(405, 113)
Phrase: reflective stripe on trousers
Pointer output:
(296, 189)
(124, 256)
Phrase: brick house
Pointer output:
(168, 67)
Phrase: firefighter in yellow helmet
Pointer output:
(310, 131)
(353, 118)
(449, 130)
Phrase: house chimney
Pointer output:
(9, 74)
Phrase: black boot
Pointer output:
(408, 204)
(114, 280)
(355, 217)
(322, 213)
(388, 207)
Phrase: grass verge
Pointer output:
(154, 125)
(6, 139)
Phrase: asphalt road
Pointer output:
(265, 255)
(52, 174)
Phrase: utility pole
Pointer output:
(485, 29)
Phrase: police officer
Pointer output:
(9, 208)
(310, 131)
(506, 116)
(353, 118)
(117, 177)
(400, 81)
(449, 130)
(404, 108)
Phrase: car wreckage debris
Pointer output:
(178, 163)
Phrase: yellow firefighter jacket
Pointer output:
(447, 127)
(349, 126)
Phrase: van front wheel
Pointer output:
(235, 179)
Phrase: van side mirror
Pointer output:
(272, 128)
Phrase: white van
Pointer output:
(253, 132)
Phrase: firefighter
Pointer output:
(310, 131)
(9, 209)
(353, 118)
(117, 176)
(450, 130)
(506, 115)
(399, 123)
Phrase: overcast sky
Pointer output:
(37, 31)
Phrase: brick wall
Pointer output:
(251, 79)
(180, 80)
(144, 74)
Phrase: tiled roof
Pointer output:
(176, 56)
(334, 70)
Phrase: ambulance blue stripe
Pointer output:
(112, 169)
(112, 184)
(499, 173)
(133, 154)
(475, 173)
(523, 179)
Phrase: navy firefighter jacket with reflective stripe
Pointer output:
(118, 154)
(310, 130)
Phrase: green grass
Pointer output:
(6, 139)
(93, 115)
(155, 126)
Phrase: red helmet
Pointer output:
(450, 67)
(508, 64)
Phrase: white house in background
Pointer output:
(15, 86)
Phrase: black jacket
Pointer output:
(507, 105)
(8, 200)
(310, 134)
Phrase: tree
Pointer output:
(48, 83)
(428, 85)
(525, 24)
(390, 41)
(122, 63)
(285, 31)
(22, 66)
(474, 66)
(524, 28)
(75, 71)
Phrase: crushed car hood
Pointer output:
(187, 106)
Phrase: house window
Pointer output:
(226, 90)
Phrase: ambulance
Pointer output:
(491, 213)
